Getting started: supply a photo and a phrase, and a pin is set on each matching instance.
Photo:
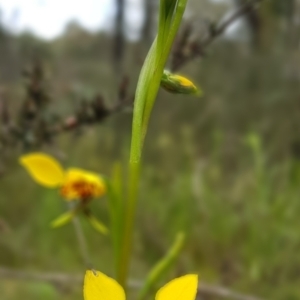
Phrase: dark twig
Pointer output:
(185, 51)
(33, 126)
(237, 14)
(59, 279)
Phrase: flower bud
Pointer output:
(178, 84)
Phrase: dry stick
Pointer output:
(59, 279)
(217, 31)
(241, 11)
(72, 122)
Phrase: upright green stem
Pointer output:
(115, 194)
(174, 26)
(170, 16)
(129, 221)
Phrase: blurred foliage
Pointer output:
(225, 167)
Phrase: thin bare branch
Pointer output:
(197, 48)
(237, 14)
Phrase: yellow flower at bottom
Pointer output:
(99, 286)
(73, 183)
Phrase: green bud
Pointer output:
(178, 84)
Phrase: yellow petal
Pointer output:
(43, 168)
(98, 286)
(184, 287)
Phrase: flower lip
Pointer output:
(82, 185)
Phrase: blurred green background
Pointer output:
(225, 167)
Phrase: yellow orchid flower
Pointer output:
(99, 286)
(74, 184)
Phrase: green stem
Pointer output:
(139, 104)
(115, 193)
(129, 221)
(146, 93)
(180, 8)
